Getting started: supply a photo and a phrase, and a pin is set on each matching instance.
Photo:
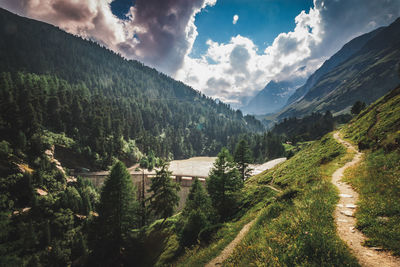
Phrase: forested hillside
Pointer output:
(53, 80)
(309, 128)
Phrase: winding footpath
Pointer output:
(346, 223)
(229, 249)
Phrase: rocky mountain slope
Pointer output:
(349, 76)
(270, 99)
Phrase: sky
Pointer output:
(260, 20)
(227, 49)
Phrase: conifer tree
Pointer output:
(117, 210)
(197, 213)
(197, 199)
(146, 163)
(164, 196)
(357, 107)
(223, 183)
(242, 158)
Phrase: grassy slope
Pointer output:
(294, 227)
(377, 177)
(255, 198)
(298, 228)
(158, 244)
(199, 256)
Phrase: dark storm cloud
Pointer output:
(75, 11)
(164, 30)
(159, 33)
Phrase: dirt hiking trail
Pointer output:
(217, 261)
(229, 249)
(346, 223)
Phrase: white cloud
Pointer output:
(158, 33)
(235, 19)
(161, 34)
(237, 71)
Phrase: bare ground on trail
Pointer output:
(229, 249)
(346, 223)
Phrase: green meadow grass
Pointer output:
(377, 178)
(201, 255)
(298, 228)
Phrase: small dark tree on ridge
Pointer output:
(357, 107)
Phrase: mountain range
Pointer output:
(365, 69)
(270, 99)
(339, 57)
(74, 86)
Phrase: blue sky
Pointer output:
(259, 20)
(121, 7)
(195, 41)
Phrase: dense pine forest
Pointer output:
(71, 100)
(69, 107)
(53, 80)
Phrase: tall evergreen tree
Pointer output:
(164, 196)
(117, 210)
(146, 163)
(197, 199)
(223, 183)
(242, 158)
(197, 213)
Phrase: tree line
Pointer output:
(101, 100)
(205, 209)
(50, 220)
(101, 125)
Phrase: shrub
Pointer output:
(206, 235)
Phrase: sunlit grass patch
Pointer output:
(199, 256)
(378, 216)
(298, 228)
(376, 130)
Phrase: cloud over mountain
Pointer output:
(158, 33)
(318, 34)
(161, 34)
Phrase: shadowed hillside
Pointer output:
(365, 73)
